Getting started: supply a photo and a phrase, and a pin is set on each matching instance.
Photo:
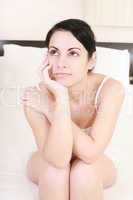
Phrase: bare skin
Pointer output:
(103, 171)
(79, 180)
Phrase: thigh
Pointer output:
(104, 168)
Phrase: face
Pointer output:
(67, 55)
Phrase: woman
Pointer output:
(72, 114)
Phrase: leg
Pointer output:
(87, 181)
(53, 182)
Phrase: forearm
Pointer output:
(59, 143)
(84, 146)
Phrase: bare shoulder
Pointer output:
(113, 86)
(112, 91)
(109, 85)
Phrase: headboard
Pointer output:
(41, 44)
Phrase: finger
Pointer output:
(40, 72)
(41, 85)
(50, 73)
(42, 67)
(28, 92)
(46, 73)
(45, 61)
(45, 70)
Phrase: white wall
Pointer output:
(31, 19)
(112, 20)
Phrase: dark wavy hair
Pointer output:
(81, 31)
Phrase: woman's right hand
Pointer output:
(57, 89)
(37, 97)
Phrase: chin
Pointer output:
(66, 83)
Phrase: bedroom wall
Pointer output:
(31, 19)
(112, 20)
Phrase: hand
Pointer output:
(38, 101)
(53, 86)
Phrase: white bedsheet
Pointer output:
(17, 143)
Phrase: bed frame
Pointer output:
(41, 44)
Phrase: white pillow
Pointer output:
(113, 62)
(19, 67)
(21, 64)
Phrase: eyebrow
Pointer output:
(68, 49)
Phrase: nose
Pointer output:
(61, 63)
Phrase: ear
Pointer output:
(92, 61)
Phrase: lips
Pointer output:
(62, 74)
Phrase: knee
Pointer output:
(83, 175)
(51, 174)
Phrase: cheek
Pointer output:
(79, 67)
(77, 72)
(52, 59)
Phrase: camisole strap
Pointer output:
(99, 89)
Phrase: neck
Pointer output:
(77, 91)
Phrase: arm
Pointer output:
(54, 141)
(88, 148)
(39, 125)
(58, 147)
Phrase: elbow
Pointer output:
(60, 165)
(91, 157)
(90, 160)
(57, 162)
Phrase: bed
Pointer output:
(18, 70)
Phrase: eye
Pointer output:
(53, 52)
(74, 53)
